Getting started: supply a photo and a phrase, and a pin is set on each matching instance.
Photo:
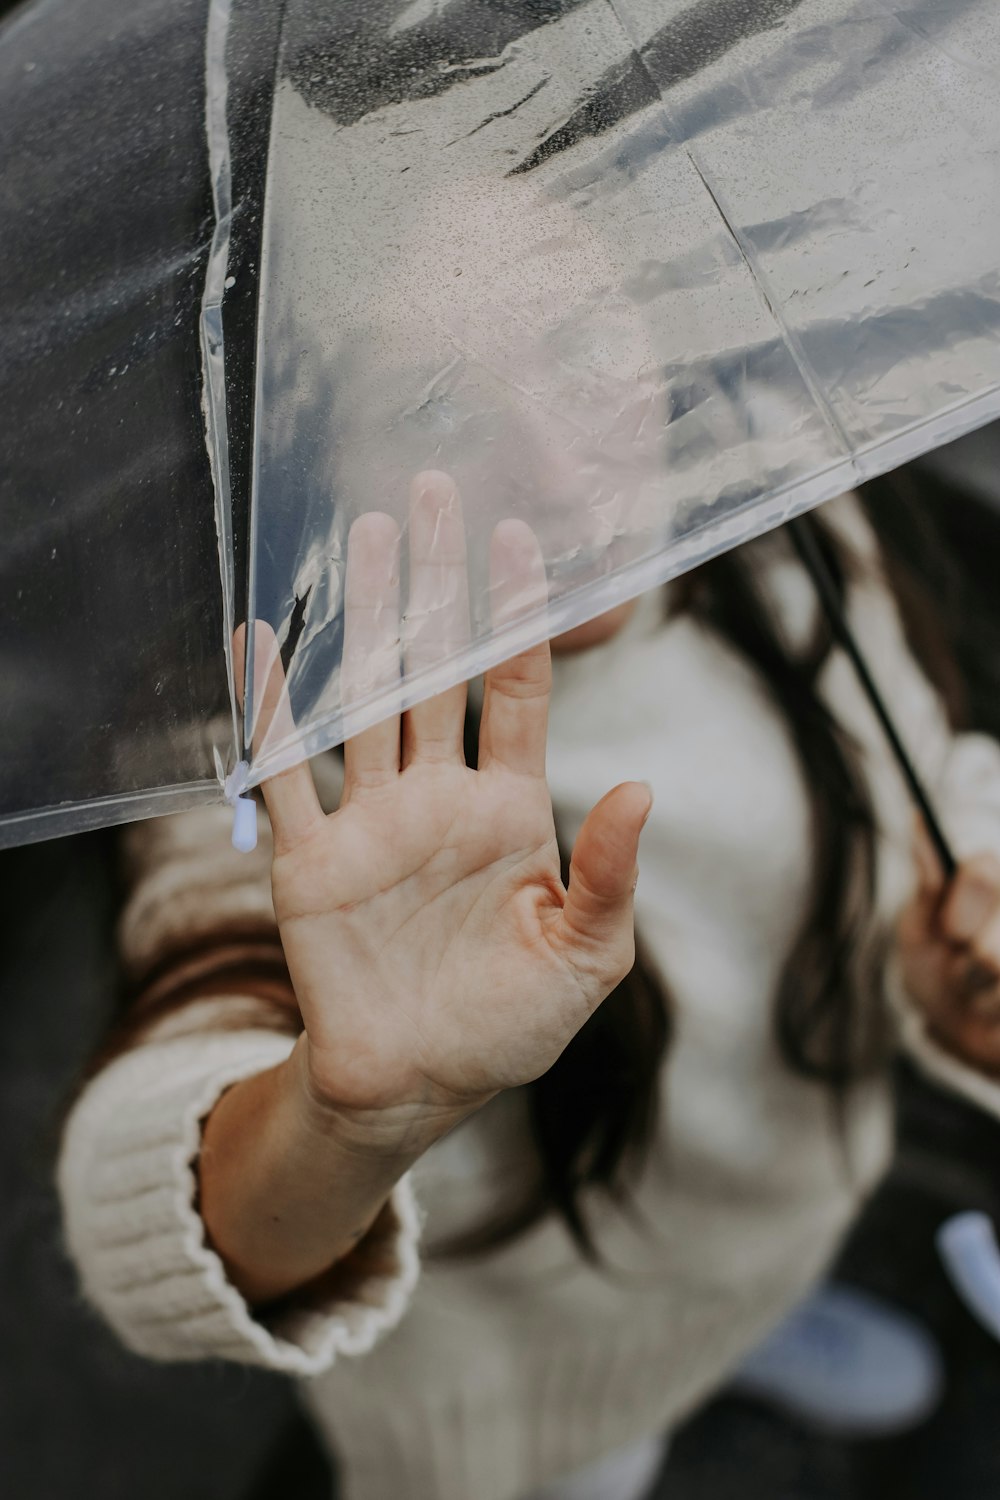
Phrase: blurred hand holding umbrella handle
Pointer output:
(967, 1242)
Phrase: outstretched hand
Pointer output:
(435, 954)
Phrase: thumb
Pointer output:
(597, 915)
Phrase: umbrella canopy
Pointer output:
(652, 277)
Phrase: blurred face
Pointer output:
(479, 327)
(507, 357)
(578, 409)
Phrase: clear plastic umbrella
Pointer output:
(650, 277)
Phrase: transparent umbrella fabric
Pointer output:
(649, 277)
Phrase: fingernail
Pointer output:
(649, 809)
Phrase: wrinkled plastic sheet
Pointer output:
(649, 277)
(652, 277)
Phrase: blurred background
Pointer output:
(80, 1417)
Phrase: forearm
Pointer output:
(287, 1188)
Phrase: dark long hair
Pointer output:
(593, 1114)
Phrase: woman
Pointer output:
(414, 1042)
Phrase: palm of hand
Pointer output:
(437, 968)
(434, 952)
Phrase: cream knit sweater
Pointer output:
(510, 1370)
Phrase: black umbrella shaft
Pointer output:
(804, 539)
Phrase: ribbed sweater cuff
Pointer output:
(128, 1187)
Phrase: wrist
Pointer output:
(286, 1193)
(401, 1130)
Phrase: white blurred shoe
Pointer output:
(848, 1364)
